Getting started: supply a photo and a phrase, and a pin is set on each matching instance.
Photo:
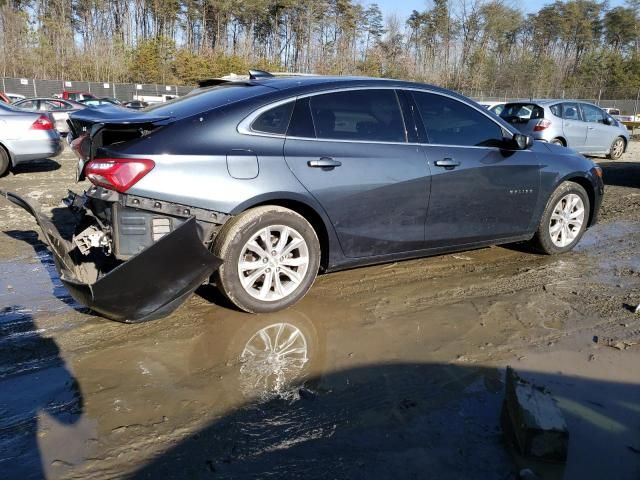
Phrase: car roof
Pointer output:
(73, 103)
(551, 101)
(283, 82)
(47, 98)
(301, 84)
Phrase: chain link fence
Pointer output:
(122, 91)
(627, 100)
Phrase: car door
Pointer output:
(349, 150)
(480, 189)
(573, 128)
(599, 135)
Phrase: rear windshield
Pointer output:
(521, 112)
(206, 99)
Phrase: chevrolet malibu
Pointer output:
(259, 185)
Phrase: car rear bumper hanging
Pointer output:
(150, 285)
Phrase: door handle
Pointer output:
(324, 162)
(591, 128)
(447, 163)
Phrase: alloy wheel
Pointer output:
(617, 149)
(566, 220)
(273, 263)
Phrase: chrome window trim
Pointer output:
(244, 127)
(341, 140)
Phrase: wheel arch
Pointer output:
(626, 142)
(312, 214)
(589, 188)
(562, 139)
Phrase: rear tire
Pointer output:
(564, 219)
(617, 149)
(271, 257)
(558, 141)
(5, 163)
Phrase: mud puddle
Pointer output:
(401, 371)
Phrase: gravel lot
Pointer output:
(401, 365)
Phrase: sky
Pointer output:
(403, 8)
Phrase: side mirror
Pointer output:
(609, 121)
(522, 142)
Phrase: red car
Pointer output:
(76, 96)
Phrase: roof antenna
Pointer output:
(255, 74)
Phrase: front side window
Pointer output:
(451, 122)
(592, 114)
(364, 115)
(275, 120)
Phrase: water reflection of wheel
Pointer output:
(260, 356)
(272, 359)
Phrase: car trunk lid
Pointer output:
(91, 129)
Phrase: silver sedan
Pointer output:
(59, 109)
(26, 136)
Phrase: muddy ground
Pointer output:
(392, 371)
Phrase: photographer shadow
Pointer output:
(34, 380)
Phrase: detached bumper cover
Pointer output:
(150, 285)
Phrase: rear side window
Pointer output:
(275, 120)
(592, 114)
(56, 105)
(570, 111)
(497, 109)
(29, 105)
(367, 115)
(451, 122)
(556, 110)
(522, 111)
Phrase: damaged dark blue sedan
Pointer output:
(258, 185)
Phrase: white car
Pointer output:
(14, 97)
(495, 107)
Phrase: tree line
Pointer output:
(474, 46)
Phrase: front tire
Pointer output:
(617, 149)
(271, 257)
(564, 219)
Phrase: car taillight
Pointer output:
(542, 125)
(81, 146)
(118, 174)
(42, 123)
